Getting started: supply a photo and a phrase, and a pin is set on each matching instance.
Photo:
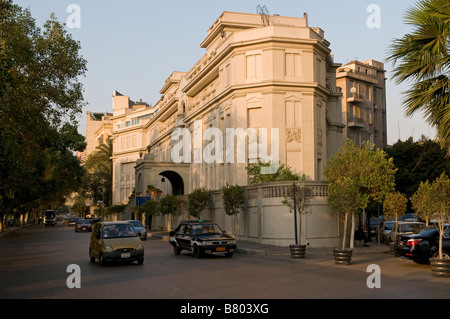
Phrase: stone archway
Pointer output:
(148, 170)
(175, 180)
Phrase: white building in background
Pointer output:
(129, 142)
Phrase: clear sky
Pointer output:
(133, 46)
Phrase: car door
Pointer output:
(96, 240)
(183, 237)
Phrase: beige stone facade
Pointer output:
(98, 130)
(252, 75)
(129, 142)
(364, 101)
(257, 75)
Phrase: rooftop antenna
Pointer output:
(265, 16)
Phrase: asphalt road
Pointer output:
(34, 265)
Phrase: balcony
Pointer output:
(355, 98)
(355, 122)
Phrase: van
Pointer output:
(115, 242)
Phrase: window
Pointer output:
(292, 65)
(253, 66)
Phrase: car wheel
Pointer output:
(92, 258)
(176, 249)
(196, 252)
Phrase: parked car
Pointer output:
(385, 231)
(202, 237)
(114, 242)
(409, 218)
(72, 221)
(140, 229)
(83, 225)
(374, 223)
(429, 248)
(405, 244)
(405, 228)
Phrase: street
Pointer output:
(34, 265)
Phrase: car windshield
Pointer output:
(83, 221)
(410, 227)
(118, 231)
(388, 226)
(136, 223)
(206, 229)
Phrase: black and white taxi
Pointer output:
(202, 237)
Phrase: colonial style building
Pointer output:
(98, 130)
(276, 76)
(130, 141)
(364, 101)
(272, 77)
(267, 88)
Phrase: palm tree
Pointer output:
(99, 165)
(422, 58)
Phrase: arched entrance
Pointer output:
(175, 180)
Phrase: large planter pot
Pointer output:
(298, 251)
(440, 267)
(342, 256)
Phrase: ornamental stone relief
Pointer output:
(293, 134)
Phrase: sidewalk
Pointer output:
(250, 248)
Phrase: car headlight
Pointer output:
(140, 247)
(109, 249)
(233, 241)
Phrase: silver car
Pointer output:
(405, 228)
(140, 229)
(386, 230)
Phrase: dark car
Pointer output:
(202, 237)
(405, 244)
(83, 225)
(429, 248)
(140, 229)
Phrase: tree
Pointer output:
(198, 200)
(440, 203)
(99, 166)
(422, 58)
(298, 197)
(394, 205)
(171, 205)
(233, 198)
(416, 162)
(283, 173)
(40, 99)
(357, 175)
(421, 202)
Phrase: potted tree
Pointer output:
(198, 200)
(345, 198)
(298, 197)
(357, 175)
(233, 198)
(394, 205)
(439, 196)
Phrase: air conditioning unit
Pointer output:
(376, 128)
(375, 107)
